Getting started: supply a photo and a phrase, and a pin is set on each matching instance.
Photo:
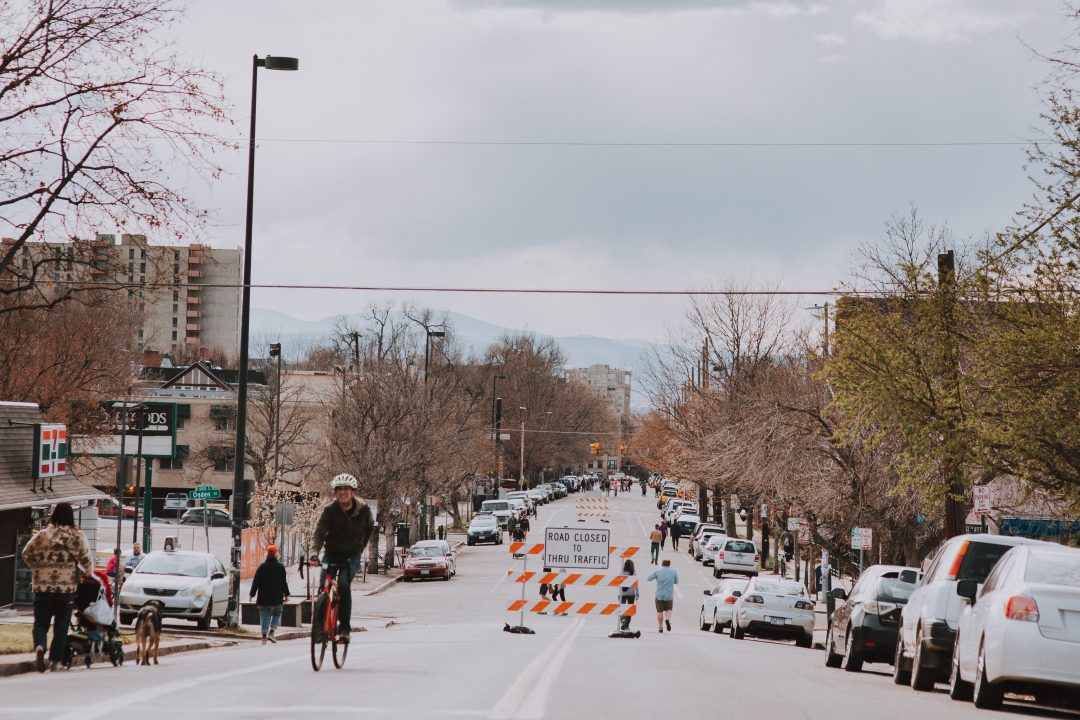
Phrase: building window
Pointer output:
(175, 297)
(175, 308)
(174, 336)
(222, 456)
(224, 417)
(142, 268)
(176, 462)
(176, 255)
(174, 322)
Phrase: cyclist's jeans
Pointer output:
(344, 586)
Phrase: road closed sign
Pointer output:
(579, 548)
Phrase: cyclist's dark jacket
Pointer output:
(343, 533)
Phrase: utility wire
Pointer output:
(661, 144)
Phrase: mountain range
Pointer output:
(298, 336)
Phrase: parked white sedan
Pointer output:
(719, 602)
(774, 607)
(1021, 632)
(189, 585)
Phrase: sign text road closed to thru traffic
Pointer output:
(581, 548)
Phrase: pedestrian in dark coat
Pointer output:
(663, 533)
(270, 591)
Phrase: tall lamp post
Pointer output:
(424, 505)
(239, 492)
(495, 428)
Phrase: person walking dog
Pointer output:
(666, 579)
(55, 555)
(270, 591)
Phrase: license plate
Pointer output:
(425, 572)
(778, 620)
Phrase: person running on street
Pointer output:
(54, 556)
(343, 531)
(654, 544)
(666, 579)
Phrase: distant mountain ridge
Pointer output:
(297, 336)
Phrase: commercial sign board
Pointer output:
(156, 420)
(50, 448)
(578, 548)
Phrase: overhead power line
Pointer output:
(661, 143)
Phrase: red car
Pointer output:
(426, 562)
(107, 508)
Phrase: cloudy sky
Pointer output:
(634, 144)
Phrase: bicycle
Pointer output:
(324, 619)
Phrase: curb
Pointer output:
(383, 586)
(27, 666)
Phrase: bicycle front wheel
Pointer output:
(318, 632)
(340, 650)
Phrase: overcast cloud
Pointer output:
(335, 206)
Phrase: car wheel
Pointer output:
(832, 658)
(715, 574)
(987, 695)
(922, 677)
(805, 641)
(853, 660)
(701, 620)
(470, 543)
(958, 689)
(901, 670)
(446, 577)
(204, 621)
(127, 618)
(717, 626)
(735, 632)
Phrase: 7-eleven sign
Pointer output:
(50, 443)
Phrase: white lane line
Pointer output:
(101, 709)
(336, 710)
(527, 697)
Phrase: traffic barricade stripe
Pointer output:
(582, 609)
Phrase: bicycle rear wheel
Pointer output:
(318, 632)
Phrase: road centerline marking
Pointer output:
(526, 698)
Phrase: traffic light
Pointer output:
(595, 448)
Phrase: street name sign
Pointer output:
(981, 495)
(578, 548)
(205, 492)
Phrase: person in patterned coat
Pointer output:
(54, 556)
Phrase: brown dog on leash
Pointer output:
(148, 632)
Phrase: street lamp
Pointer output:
(427, 347)
(496, 427)
(239, 492)
(424, 505)
(275, 352)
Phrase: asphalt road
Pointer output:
(448, 656)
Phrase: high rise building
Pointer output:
(609, 383)
(186, 296)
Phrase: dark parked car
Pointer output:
(865, 624)
(484, 528)
(213, 517)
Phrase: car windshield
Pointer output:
(895, 590)
(1054, 569)
(483, 521)
(980, 559)
(425, 552)
(184, 565)
(780, 588)
(740, 546)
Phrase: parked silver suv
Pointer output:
(929, 620)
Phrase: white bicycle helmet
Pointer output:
(343, 480)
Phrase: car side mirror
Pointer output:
(217, 576)
(708, 592)
(967, 589)
(909, 576)
(839, 593)
(128, 569)
(737, 593)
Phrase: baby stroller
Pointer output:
(93, 634)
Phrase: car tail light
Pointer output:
(756, 599)
(803, 605)
(876, 607)
(955, 569)
(757, 558)
(730, 600)
(1020, 607)
(720, 556)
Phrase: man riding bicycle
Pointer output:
(343, 530)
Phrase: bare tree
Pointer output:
(99, 115)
